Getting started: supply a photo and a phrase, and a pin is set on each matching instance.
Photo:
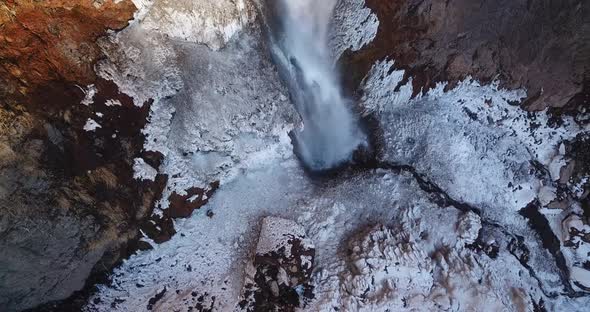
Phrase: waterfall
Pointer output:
(330, 132)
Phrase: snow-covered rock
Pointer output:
(143, 171)
(354, 26)
(210, 22)
(279, 277)
(91, 125)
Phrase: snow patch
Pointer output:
(143, 171)
(276, 234)
(89, 94)
(468, 227)
(91, 125)
(113, 102)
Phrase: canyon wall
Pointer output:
(539, 45)
(69, 205)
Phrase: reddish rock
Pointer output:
(75, 188)
(161, 228)
(182, 206)
(55, 40)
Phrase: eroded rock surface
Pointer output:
(69, 203)
(280, 276)
(538, 45)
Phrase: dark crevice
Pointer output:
(439, 197)
(541, 226)
(516, 246)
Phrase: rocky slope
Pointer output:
(47, 41)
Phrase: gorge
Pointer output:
(338, 155)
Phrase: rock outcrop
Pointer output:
(45, 41)
(538, 45)
(69, 203)
(279, 279)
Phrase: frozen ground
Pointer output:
(385, 238)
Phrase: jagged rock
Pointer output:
(212, 23)
(279, 278)
(386, 267)
(43, 41)
(68, 199)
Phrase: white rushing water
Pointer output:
(331, 132)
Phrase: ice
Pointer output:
(210, 22)
(89, 93)
(382, 241)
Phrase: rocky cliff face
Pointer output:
(44, 41)
(97, 132)
(539, 45)
(69, 204)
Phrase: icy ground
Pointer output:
(385, 238)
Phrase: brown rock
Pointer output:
(539, 45)
(42, 41)
(279, 278)
(69, 206)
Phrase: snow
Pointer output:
(210, 22)
(581, 275)
(89, 93)
(330, 212)
(478, 147)
(555, 166)
(578, 188)
(143, 171)
(443, 132)
(468, 227)
(143, 7)
(113, 102)
(355, 26)
(145, 62)
(387, 272)
(141, 64)
(276, 233)
(223, 120)
(573, 233)
(91, 125)
(547, 194)
(382, 242)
